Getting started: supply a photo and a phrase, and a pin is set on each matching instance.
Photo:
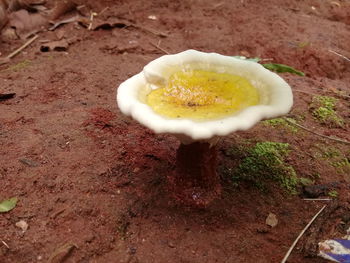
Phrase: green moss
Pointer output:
(265, 161)
(334, 157)
(305, 181)
(20, 65)
(281, 122)
(342, 165)
(316, 175)
(323, 110)
(331, 152)
(333, 194)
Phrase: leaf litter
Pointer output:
(25, 18)
(62, 253)
(27, 24)
(8, 205)
(59, 45)
(7, 96)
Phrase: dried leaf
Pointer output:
(97, 23)
(281, 68)
(62, 7)
(271, 220)
(7, 96)
(60, 45)
(15, 5)
(3, 14)
(60, 34)
(8, 205)
(27, 23)
(29, 162)
(4, 61)
(62, 253)
(8, 34)
(64, 21)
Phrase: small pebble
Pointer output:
(22, 225)
(170, 244)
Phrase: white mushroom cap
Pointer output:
(276, 96)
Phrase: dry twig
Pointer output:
(103, 10)
(5, 244)
(17, 51)
(92, 15)
(317, 199)
(159, 47)
(316, 133)
(301, 234)
(149, 30)
(314, 94)
(340, 55)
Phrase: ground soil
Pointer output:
(91, 182)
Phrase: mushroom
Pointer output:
(240, 94)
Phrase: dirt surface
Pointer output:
(91, 182)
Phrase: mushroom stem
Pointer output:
(195, 180)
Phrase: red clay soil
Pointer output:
(91, 182)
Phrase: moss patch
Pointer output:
(342, 165)
(21, 65)
(333, 194)
(263, 164)
(323, 110)
(334, 157)
(281, 122)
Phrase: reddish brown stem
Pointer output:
(195, 180)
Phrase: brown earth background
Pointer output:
(91, 182)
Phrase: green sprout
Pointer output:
(279, 68)
(21, 65)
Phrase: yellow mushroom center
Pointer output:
(202, 95)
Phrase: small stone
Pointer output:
(22, 225)
(170, 244)
(245, 53)
(152, 17)
(271, 220)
